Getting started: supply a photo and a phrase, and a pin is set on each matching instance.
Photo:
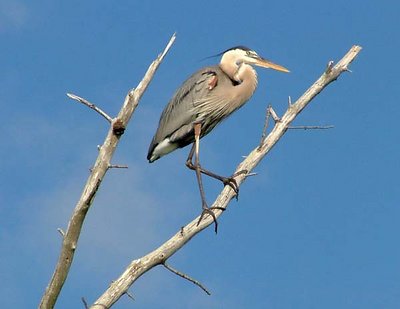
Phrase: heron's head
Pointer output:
(241, 54)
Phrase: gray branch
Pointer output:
(117, 166)
(140, 266)
(311, 127)
(184, 276)
(102, 164)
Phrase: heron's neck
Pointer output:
(239, 74)
(246, 74)
(246, 77)
(244, 81)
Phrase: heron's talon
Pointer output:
(209, 211)
(231, 181)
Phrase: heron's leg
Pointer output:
(198, 169)
(197, 130)
(230, 181)
(189, 160)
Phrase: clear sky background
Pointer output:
(317, 228)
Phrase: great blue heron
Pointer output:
(203, 101)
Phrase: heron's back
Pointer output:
(196, 101)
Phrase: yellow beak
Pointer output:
(270, 65)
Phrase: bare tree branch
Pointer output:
(97, 174)
(184, 276)
(61, 232)
(129, 295)
(310, 127)
(266, 123)
(117, 166)
(270, 113)
(141, 265)
(90, 105)
(84, 302)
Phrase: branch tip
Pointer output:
(329, 67)
(251, 174)
(171, 41)
(311, 127)
(117, 166)
(129, 295)
(85, 303)
(61, 232)
(274, 114)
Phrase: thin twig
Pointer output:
(270, 112)
(264, 131)
(117, 166)
(90, 105)
(61, 232)
(251, 174)
(274, 114)
(85, 303)
(310, 127)
(289, 101)
(184, 276)
(329, 67)
(129, 295)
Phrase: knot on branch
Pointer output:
(118, 127)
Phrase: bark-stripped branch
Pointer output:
(90, 105)
(140, 266)
(97, 174)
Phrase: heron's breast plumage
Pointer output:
(224, 99)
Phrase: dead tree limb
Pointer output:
(186, 277)
(158, 257)
(90, 105)
(106, 151)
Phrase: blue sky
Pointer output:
(317, 228)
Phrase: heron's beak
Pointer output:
(261, 62)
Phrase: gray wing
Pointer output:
(176, 121)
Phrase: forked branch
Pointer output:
(140, 266)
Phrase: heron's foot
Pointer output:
(231, 181)
(209, 211)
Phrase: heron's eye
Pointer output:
(251, 54)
